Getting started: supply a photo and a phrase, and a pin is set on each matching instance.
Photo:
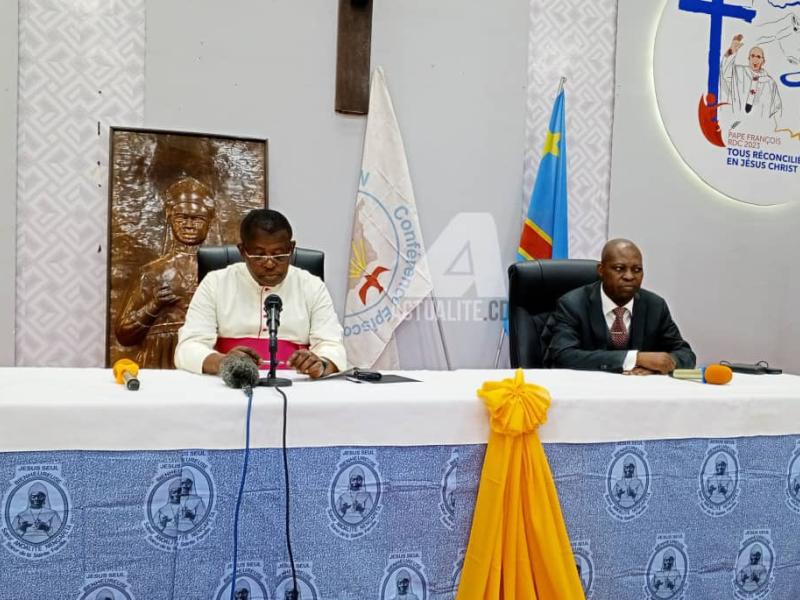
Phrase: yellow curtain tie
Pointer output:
(518, 546)
(515, 407)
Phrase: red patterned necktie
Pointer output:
(619, 333)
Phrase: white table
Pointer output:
(86, 409)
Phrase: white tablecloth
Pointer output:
(64, 409)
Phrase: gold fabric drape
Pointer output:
(518, 547)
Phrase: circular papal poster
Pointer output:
(727, 82)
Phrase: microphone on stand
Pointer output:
(272, 306)
(238, 372)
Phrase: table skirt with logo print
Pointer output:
(701, 519)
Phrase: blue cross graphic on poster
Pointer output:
(717, 10)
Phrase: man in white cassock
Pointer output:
(226, 314)
(749, 90)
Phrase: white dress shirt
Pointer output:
(608, 312)
(230, 303)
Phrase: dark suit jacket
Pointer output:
(576, 335)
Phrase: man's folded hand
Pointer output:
(658, 362)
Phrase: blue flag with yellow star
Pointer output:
(545, 233)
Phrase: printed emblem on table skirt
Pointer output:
(447, 492)
(355, 494)
(458, 567)
(112, 585)
(180, 505)
(37, 512)
(793, 480)
(307, 589)
(719, 479)
(628, 482)
(667, 569)
(404, 577)
(582, 551)
(754, 573)
(250, 582)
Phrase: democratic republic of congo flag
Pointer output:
(545, 233)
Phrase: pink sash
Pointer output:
(261, 345)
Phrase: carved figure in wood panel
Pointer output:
(170, 193)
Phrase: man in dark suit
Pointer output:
(614, 325)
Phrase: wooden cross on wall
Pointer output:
(354, 38)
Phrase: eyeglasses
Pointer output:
(263, 259)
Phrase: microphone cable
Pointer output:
(294, 592)
(248, 391)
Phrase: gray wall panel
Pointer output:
(8, 177)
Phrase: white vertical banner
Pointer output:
(388, 273)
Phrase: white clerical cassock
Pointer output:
(227, 310)
(748, 91)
